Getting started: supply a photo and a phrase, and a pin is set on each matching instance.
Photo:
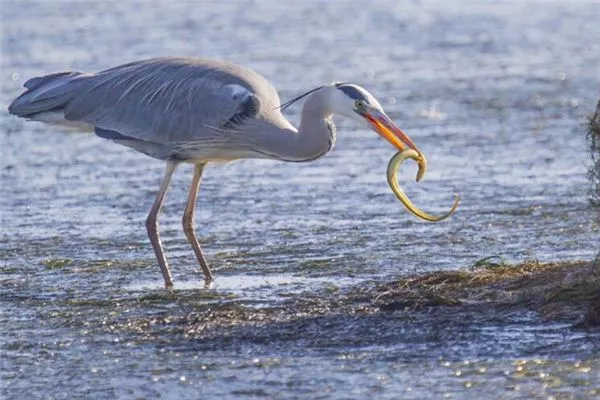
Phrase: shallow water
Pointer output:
(494, 93)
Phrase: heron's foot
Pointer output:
(208, 283)
(166, 273)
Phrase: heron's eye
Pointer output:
(360, 104)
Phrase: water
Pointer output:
(494, 93)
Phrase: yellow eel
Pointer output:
(392, 177)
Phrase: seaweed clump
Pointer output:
(593, 137)
(557, 291)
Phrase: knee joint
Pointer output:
(151, 224)
(188, 222)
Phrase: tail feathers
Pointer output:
(38, 81)
(46, 93)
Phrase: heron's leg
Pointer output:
(152, 224)
(188, 221)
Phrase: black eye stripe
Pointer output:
(351, 91)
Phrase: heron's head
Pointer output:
(356, 103)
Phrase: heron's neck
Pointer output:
(315, 136)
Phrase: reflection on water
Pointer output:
(495, 95)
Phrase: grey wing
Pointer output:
(163, 102)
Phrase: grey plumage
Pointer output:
(198, 111)
(46, 93)
(163, 103)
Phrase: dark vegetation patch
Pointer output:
(567, 291)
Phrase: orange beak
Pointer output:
(387, 129)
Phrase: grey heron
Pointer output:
(189, 110)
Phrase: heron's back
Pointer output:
(152, 105)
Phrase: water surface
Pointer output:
(494, 93)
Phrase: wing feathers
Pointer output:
(161, 101)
